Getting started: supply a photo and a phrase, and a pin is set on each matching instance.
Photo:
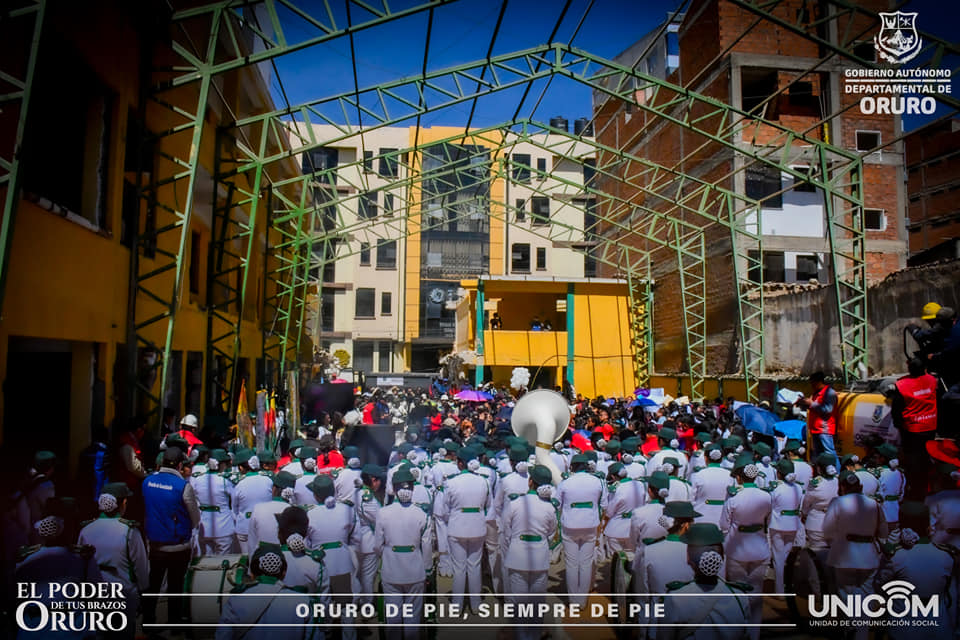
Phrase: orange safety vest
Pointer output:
(919, 402)
(817, 424)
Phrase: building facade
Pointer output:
(732, 55)
(933, 181)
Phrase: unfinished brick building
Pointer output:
(759, 65)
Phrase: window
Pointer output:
(368, 161)
(386, 254)
(763, 183)
(867, 140)
(874, 220)
(366, 299)
(363, 355)
(66, 166)
(368, 204)
(589, 172)
(521, 212)
(364, 254)
(757, 85)
(521, 167)
(384, 356)
(388, 204)
(322, 159)
(589, 266)
(541, 258)
(542, 166)
(773, 267)
(327, 310)
(801, 185)
(807, 268)
(754, 266)
(195, 262)
(386, 303)
(520, 258)
(389, 165)
(540, 210)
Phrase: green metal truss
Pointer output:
(25, 19)
(669, 211)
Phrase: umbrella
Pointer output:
(470, 395)
(643, 402)
(756, 419)
(793, 429)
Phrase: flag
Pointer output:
(244, 426)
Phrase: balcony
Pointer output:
(525, 348)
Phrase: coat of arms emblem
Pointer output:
(898, 40)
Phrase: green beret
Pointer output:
(591, 455)
(518, 452)
(321, 486)
(792, 445)
(666, 433)
(849, 459)
(825, 459)
(466, 454)
(350, 452)
(117, 490)
(672, 460)
(404, 448)
(243, 456)
(658, 480)
(887, 451)
(732, 442)
(579, 458)
(307, 452)
(613, 446)
(742, 460)
(541, 475)
(679, 509)
(374, 470)
(284, 480)
(296, 444)
(451, 446)
(703, 534)
(266, 457)
(784, 466)
(201, 449)
(173, 440)
(402, 475)
(220, 455)
(629, 444)
(762, 449)
(615, 468)
(703, 437)
(849, 477)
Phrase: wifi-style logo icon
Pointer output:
(898, 588)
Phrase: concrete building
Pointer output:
(716, 49)
(486, 205)
(933, 181)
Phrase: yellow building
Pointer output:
(64, 334)
(588, 343)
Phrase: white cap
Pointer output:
(444, 397)
(189, 420)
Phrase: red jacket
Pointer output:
(330, 461)
(816, 423)
(919, 403)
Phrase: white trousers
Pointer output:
(466, 554)
(402, 596)
(534, 583)
(219, 546)
(579, 557)
(492, 545)
(366, 573)
(781, 543)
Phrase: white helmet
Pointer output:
(189, 421)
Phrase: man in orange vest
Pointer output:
(914, 413)
(821, 416)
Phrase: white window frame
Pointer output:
(883, 218)
(875, 154)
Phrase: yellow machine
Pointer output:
(860, 415)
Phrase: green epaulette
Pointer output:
(771, 486)
(514, 496)
(349, 503)
(86, 522)
(555, 503)
(677, 584)
(335, 473)
(814, 482)
(600, 475)
(649, 541)
(197, 474)
(83, 550)
(316, 554)
(565, 475)
(133, 524)
(27, 551)
(733, 490)
(367, 495)
(306, 507)
(742, 586)
(265, 472)
(889, 548)
(684, 481)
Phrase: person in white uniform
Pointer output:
(514, 483)
(215, 497)
(402, 538)
(944, 505)
(820, 491)
(632, 458)
(118, 546)
(582, 497)
(786, 497)
(252, 489)
(679, 487)
(625, 495)
(925, 565)
(893, 484)
(529, 524)
(645, 523)
(854, 526)
(869, 482)
(263, 521)
(708, 486)
(696, 604)
(669, 447)
(302, 494)
(665, 558)
(305, 567)
(744, 522)
(256, 614)
(445, 467)
(372, 498)
(466, 498)
(794, 451)
(348, 481)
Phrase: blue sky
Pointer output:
(461, 33)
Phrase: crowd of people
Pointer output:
(684, 495)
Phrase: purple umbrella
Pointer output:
(470, 395)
